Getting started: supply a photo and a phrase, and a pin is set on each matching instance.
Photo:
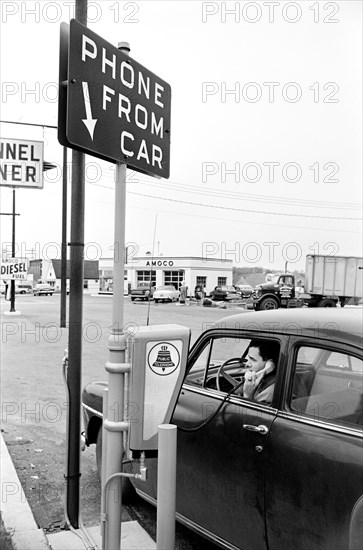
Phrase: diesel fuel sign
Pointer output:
(116, 108)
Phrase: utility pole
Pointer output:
(12, 282)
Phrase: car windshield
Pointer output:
(228, 289)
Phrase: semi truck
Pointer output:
(329, 280)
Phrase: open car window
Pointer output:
(218, 350)
(215, 352)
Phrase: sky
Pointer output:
(266, 129)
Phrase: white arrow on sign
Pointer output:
(89, 122)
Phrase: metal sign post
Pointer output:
(166, 490)
(75, 323)
(116, 366)
(63, 304)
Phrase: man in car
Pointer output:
(260, 377)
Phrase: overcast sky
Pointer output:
(266, 128)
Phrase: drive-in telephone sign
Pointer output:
(116, 108)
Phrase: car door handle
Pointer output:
(262, 429)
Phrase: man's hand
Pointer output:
(250, 384)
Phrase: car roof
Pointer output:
(343, 324)
(225, 286)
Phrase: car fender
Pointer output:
(267, 295)
(356, 526)
(92, 405)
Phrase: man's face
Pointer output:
(254, 360)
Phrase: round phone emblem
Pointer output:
(163, 358)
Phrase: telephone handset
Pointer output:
(268, 368)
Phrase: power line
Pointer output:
(258, 198)
(235, 209)
(247, 222)
(240, 196)
(228, 194)
(28, 124)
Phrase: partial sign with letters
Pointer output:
(21, 163)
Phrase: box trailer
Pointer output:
(328, 280)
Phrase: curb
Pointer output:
(15, 510)
(25, 534)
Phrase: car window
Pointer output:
(199, 369)
(213, 355)
(328, 386)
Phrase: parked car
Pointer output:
(20, 288)
(224, 293)
(257, 476)
(166, 293)
(143, 291)
(245, 291)
(43, 289)
(23, 288)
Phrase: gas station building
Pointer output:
(170, 270)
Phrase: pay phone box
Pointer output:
(158, 357)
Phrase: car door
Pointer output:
(314, 480)
(221, 453)
(287, 289)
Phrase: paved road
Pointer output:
(33, 399)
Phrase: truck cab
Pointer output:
(273, 295)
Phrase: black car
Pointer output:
(225, 293)
(143, 291)
(268, 476)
